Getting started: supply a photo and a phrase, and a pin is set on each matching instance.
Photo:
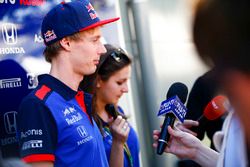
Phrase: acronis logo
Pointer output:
(32, 2)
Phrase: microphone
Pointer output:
(110, 108)
(216, 108)
(174, 108)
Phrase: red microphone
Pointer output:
(217, 107)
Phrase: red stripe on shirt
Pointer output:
(42, 92)
(39, 158)
(80, 100)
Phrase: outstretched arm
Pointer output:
(185, 145)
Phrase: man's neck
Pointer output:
(64, 73)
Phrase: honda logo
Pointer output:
(10, 122)
(82, 131)
(9, 33)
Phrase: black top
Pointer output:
(205, 88)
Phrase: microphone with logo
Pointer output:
(172, 108)
(216, 108)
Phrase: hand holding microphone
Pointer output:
(173, 108)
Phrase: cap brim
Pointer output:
(100, 23)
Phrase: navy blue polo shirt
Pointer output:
(54, 124)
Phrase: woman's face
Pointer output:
(110, 91)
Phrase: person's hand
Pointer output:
(181, 144)
(186, 125)
(120, 130)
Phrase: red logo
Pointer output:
(32, 2)
(89, 7)
(91, 11)
(49, 35)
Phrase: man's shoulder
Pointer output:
(38, 95)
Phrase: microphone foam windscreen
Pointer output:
(178, 89)
(216, 107)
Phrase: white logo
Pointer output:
(82, 131)
(9, 140)
(33, 82)
(10, 122)
(69, 110)
(32, 144)
(10, 83)
(6, 1)
(32, 132)
(9, 33)
(38, 38)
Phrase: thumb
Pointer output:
(175, 133)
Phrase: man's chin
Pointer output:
(91, 71)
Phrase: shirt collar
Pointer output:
(57, 86)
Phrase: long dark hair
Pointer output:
(112, 61)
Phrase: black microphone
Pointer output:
(176, 89)
(110, 108)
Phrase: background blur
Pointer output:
(156, 33)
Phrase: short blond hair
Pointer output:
(51, 51)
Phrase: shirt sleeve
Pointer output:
(37, 131)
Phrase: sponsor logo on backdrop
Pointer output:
(10, 83)
(9, 140)
(10, 38)
(33, 81)
(32, 2)
(10, 122)
(38, 38)
(24, 2)
(9, 32)
(8, 1)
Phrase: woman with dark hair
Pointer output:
(107, 86)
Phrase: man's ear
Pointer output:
(98, 82)
(65, 43)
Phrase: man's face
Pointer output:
(86, 52)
